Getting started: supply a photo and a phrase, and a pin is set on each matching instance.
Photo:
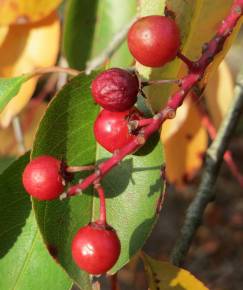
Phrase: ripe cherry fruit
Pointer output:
(111, 128)
(154, 40)
(42, 179)
(115, 89)
(96, 248)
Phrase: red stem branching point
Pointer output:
(135, 124)
(195, 73)
(100, 190)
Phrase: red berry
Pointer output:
(96, 248)
(111, 128)
(42, 179)
(154, 40)
(115, 89)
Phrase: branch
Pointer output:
(54, 69)
(110, 49)
(228, 158)
(196, 73)
(205, 194)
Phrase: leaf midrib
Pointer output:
(26, 260)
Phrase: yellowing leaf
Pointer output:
(30, 118)
(24, 11)
(3, 33)
(165, 276)
(185, 141)
(25, 48)
(219, 93)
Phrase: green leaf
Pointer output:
(24, 260)
(90, 26)
(198, 21)
(132, 188)
(9, 88)
(165, 276)
(5, 161)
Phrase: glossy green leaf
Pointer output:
(90, 26)
(24, 260)
(9, 87)
(198, 21)
(132, 188)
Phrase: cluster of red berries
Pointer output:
(96, 246)
(153, 41)
(116, 91)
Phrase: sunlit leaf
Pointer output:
(219, 93)
(3, 33)
(25, 48)
(165, 276)
(22, 11)
(185, 142)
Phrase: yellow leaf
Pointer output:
(25, 48)
(219, 93)
(24, 11)
(30, 118)
(185, 141)
(165, 276)
(3, 33)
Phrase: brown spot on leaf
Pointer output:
(52, 251)
(189, 136)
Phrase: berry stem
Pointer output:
(214, 46)
(72, 169)
(100, 190)
(54, 69)
(159, 82)
(186, 60)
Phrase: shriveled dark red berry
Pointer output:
(96, 248)
(111, 128)
(42, 179)
(115, 89)
(154, 40)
